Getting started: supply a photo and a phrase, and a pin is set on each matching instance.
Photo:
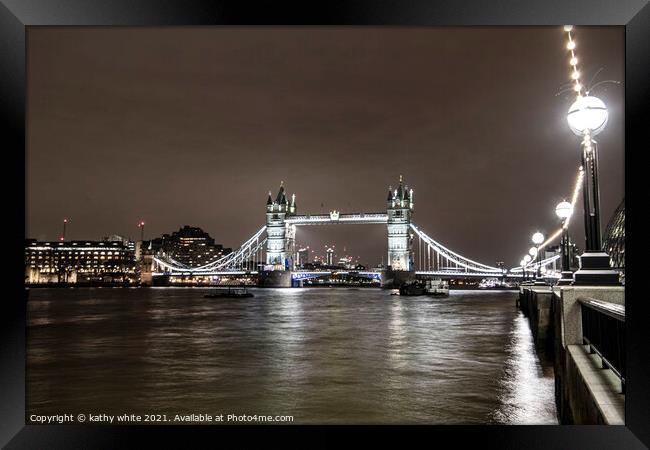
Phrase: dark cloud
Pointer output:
(195, 125)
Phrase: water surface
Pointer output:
(322, 355)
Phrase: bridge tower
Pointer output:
(280, 236)
(399, 205)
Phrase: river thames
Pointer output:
(321, 355)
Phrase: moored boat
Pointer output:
(437, 288)
(412, 288)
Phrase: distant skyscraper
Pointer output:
(330, 256)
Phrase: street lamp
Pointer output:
(587, 117)
(538, 238)
(564, 210)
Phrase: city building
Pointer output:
(614, 239)
(190, 246)
(117, 238)
(330, 257)
(79, 262)
(346, 262)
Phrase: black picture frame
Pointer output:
(16, 15)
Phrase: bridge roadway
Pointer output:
(324, 219)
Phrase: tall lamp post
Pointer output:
(587, 117)
(538, 238)
(564, 210)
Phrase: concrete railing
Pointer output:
(603, 330)
(567, 323)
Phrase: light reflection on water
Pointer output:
(321, 355)
(527, 384)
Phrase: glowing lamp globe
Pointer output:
(527, 259)
(533, 251)
(587, 113)
(564, 210)
(538, 238)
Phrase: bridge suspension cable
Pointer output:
(451, 258)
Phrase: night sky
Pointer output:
(195, 125)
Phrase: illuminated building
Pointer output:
(190, 246)
(117, 238)
(614, 243)
(346, 262)
(330, 256)
(78, 261)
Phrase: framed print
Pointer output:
(251, 217)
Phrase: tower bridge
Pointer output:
(270, 252)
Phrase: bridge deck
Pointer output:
(323, 219)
